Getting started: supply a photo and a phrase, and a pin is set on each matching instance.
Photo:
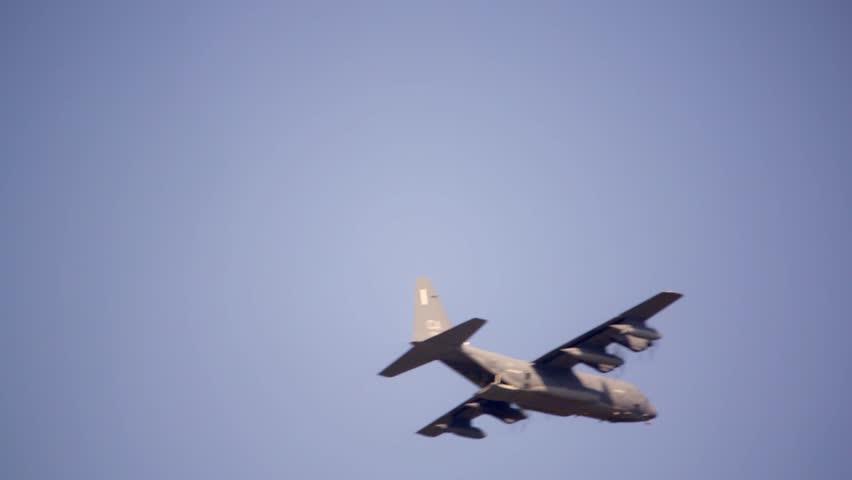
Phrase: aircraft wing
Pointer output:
(458, 419)
(627, 329)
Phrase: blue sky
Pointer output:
(213, 216)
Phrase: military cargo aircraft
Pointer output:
(548, 384)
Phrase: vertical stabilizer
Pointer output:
(430, 318)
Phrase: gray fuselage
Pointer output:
(558, 391)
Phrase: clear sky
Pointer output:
(213, 216)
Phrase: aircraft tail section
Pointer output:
(441, 345)
(430, 318)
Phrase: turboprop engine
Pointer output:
(598, 359)
(634, 337)
(500, 410)
(465, 429)
(637, 331)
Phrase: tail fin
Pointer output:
(430, 318)
(433, 348)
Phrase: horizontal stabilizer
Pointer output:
(433, 348)
(413, 358)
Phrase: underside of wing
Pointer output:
(458, 420)
(627, 329)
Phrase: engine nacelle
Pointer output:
(466, 431)
(637, 344)
(636, 331)
(501, 410)
(599, 359)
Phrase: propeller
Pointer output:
(619, 350)
(650, 351)
(622, 351)
(521, 425)
(607, 393)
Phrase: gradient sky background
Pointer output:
(213, 216)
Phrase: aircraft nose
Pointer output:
(651, 412)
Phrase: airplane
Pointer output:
(548, 384)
